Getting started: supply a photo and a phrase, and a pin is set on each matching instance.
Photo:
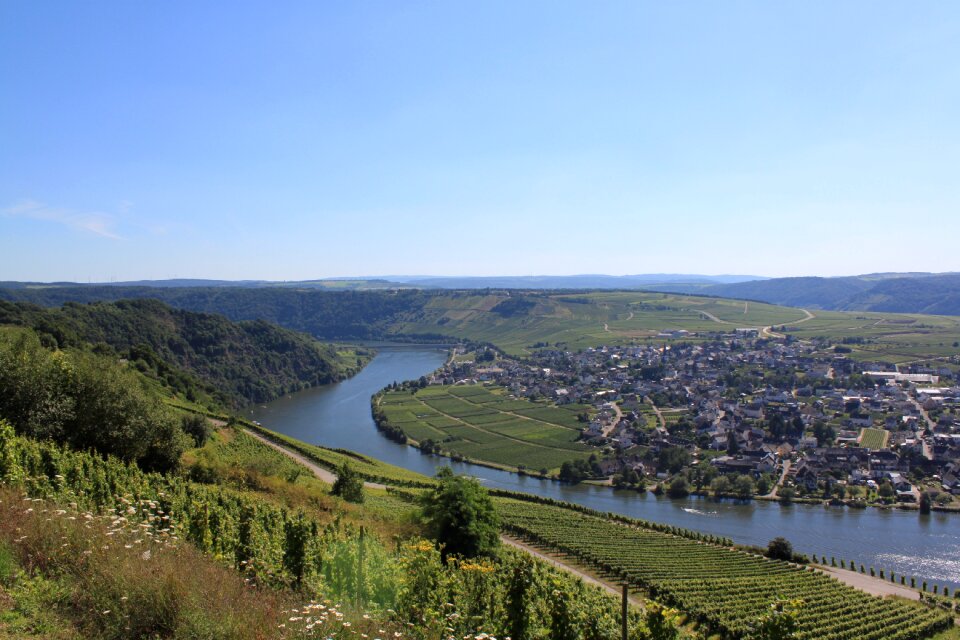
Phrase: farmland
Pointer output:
(874, 438)
(517, 321)
(486, 424)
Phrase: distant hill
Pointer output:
(585, 281)
(891, 292)
(238, 363)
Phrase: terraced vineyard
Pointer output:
(486, 424)
(723, 589)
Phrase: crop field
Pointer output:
(888, 337)
(874, 438)
(485, 423)
(516, 322)
(724, 589)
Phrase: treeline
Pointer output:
(197, 355)
(334, 315)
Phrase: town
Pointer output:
(745, 414)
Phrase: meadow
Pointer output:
(485, 424)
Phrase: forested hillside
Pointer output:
(333, 315)
(899, 293)
(193, 353)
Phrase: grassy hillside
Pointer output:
(238, 363)
(518, 322)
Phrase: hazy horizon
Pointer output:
(193, 141)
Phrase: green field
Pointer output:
(874, 438)
(888, 337)
(486, 424)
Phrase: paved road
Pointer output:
(870, 584)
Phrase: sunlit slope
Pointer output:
(516, 321)
(890, 337)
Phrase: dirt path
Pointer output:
(581, 573)
(320, 472)
(870, 584)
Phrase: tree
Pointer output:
(348, 485)
(678, 488)
(886, 490)
(720, 486)
(197, 427)
(764, 484)
(460, 515)
(780, 549)
(743, 487)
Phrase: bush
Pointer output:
(780, 549)
(460, 515)
(349, 485)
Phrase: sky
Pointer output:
(296, 140)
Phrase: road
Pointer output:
(783, 476)
(324, 474)
(583, 574)
(617, 416)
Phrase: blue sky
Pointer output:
(309, 139)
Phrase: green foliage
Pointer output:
(86, 401)
(780, 623)
(678, 488)
(662, 622)
(197, 427)
(459, 515)
(348, 484)
(780, 549)
(194, 354)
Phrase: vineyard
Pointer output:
(723, 589)
(291, 551)
(485, 423)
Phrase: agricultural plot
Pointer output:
(723, 589)
(486, 424)
(874, 438)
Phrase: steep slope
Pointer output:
(240, 363)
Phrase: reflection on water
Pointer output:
(338, 415)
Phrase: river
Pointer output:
(338, 415)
